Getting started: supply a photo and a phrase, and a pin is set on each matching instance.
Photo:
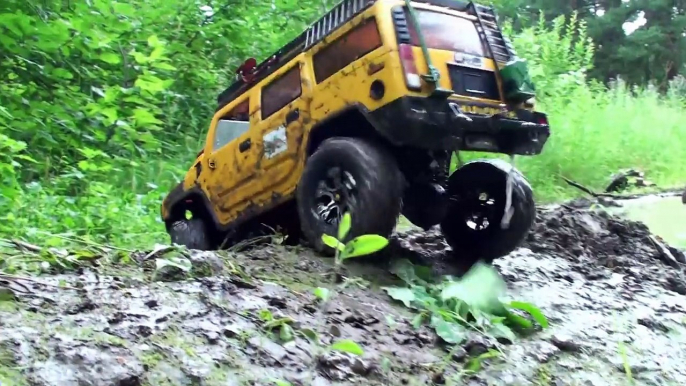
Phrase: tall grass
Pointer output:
(600, 133)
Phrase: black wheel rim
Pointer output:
(335, 195)
(479, 209)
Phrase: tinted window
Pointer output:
(232, 125)
(280, 92)
(358, 42)
(446, 32)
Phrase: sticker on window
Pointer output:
(275, 142)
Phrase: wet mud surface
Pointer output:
(616, 301)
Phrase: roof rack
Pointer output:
(338, 15)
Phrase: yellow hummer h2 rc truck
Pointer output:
(362, 113)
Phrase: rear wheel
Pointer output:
(477, 203)
(191, 233)
(348, 175)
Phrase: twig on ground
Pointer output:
(24, 245)
(600, 195)
(15, 278)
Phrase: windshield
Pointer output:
(447, 32)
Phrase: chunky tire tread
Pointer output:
(191, 233)
(378, 183)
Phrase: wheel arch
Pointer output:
(178, 201)
(353, 121)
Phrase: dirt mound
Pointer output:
(593, 239)
(612, 241)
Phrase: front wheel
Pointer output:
(477, 196)
(192, 234)
(348, 175)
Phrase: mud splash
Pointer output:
(615, 303)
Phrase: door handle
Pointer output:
(245, 145)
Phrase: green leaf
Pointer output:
(286, 333)
(450, 332)
(7, 295)
(404, 269)
(279, 382)
(310, 334)
(404, 295)
(499, 330)
(154, 41)
(347, 345)
(418, 320)
(344, 226)
(156, 53)
(163, 66)
(480, 288)
(534, 311)
(322, 293)
(110, 57)
(176, 262)
(332, 242)
(364, 245)
(519, 321)
(474, 365)
(62, 73)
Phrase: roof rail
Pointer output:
(338, 15)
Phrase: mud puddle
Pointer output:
(616, 305)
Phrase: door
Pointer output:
(280, 135)
(231, 161)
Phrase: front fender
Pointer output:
(173, 197)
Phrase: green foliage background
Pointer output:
(103, 105)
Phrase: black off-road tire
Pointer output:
(471, 245)
(377, 192)
(193, 234)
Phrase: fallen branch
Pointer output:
(601, 195)
(15, 279)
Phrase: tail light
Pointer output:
(412, 78)
(541, 119)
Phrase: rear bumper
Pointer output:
(434, 124)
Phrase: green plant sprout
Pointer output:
(452, 307)
(359, 246)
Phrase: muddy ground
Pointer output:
(615, 300)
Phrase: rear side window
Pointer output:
(281, 91)
(447, 32)
(358, 42)
(232, 125)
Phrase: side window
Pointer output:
(358, 42)
(281, 91)
(232, 125)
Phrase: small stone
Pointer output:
(653, 324)
(212, 337)
(459, 354)
(231, 331)
(438, 379)
(565, 343)
(477, 345)
(268, 347)
(152, 303)
(360, 367)
(544, 352)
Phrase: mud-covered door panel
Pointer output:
(280, 134)
(231, 160)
